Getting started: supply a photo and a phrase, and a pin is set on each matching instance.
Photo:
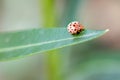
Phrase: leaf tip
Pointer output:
(107, 30)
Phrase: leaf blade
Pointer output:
(24, 43)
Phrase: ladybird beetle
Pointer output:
(75, 27)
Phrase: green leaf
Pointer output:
(28, 42)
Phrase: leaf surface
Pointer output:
(28, 42)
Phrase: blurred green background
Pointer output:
(94, 60)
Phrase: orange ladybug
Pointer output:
(75, 27)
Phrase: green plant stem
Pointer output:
(54, 65)
(49, 18)
(48, 9)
